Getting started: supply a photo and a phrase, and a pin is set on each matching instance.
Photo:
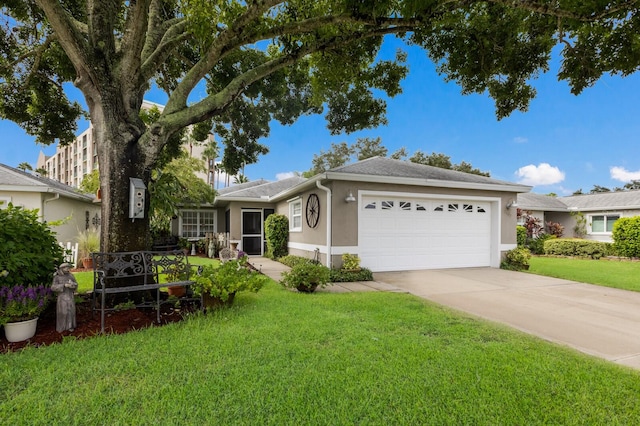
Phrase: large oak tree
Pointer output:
(266, 59)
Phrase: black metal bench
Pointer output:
(137, 271)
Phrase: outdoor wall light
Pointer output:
(511, 204)
(350, 198)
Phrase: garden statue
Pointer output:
(212, 249)
(65, 284)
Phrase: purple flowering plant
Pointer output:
(21, 303)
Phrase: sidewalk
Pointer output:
(274, 269)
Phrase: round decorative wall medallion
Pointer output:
(313, 210)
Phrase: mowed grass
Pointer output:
(284, 358)
(610, 273)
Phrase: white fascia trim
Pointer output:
(307, 247)
(607, 210)
(428, 182)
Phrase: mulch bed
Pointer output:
(88, 325)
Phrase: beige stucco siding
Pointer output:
(344, 232)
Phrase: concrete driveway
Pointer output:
(600, 321)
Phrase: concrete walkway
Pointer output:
(600, 321)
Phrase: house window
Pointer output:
(295, 215)
(197, 223)
(603, 223)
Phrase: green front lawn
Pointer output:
(610, 273)
(285, 358)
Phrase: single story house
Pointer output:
(598, 211)
(395, 215)
(55, 201)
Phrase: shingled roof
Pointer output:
(387, 167)
(12, 179)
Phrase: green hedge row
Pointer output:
(577, 247)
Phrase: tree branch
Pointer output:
(551, 9)
(70, 37)
(179, 98)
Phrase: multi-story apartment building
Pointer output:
(71, 163)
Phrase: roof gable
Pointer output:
(16, 180)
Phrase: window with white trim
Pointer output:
(603, 224)
(197, 223)
(4, 202)
(295, 215)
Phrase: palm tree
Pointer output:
(240, 178)
(209, 155)
(25, 166)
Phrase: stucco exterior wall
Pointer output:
(344, 232)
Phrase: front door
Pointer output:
(252, 231)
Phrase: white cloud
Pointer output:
(623, 175)
(520, 139)
(542, 174)
(285, 175)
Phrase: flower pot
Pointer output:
(22, 330)
(177, 290)
(87, 262)
(307, 288)
(216, 302)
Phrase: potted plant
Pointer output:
(20, 307)
(185, 245)
(350, 262)
(306, 277)
(218, 285)
(88, 242)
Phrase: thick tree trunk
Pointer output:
(120, 158)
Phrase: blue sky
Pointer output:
(563, 143)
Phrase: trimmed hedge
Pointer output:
(626, 236)
(337, 275)
(577, 247)
(277, 235)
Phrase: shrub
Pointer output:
(29, 251)
(306, 275)
(521, 235)
(577, 247)
(277, 235)
(292, 260)
(536, 245)
(350, 261)
(626, 236)
(516, 259)
(344, 276)
(227, 279)
(555, 229)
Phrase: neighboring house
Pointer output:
(395, 215)
(600, 211)
(55, 201)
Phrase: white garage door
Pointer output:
(402, 233)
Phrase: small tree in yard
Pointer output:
(270, 60)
